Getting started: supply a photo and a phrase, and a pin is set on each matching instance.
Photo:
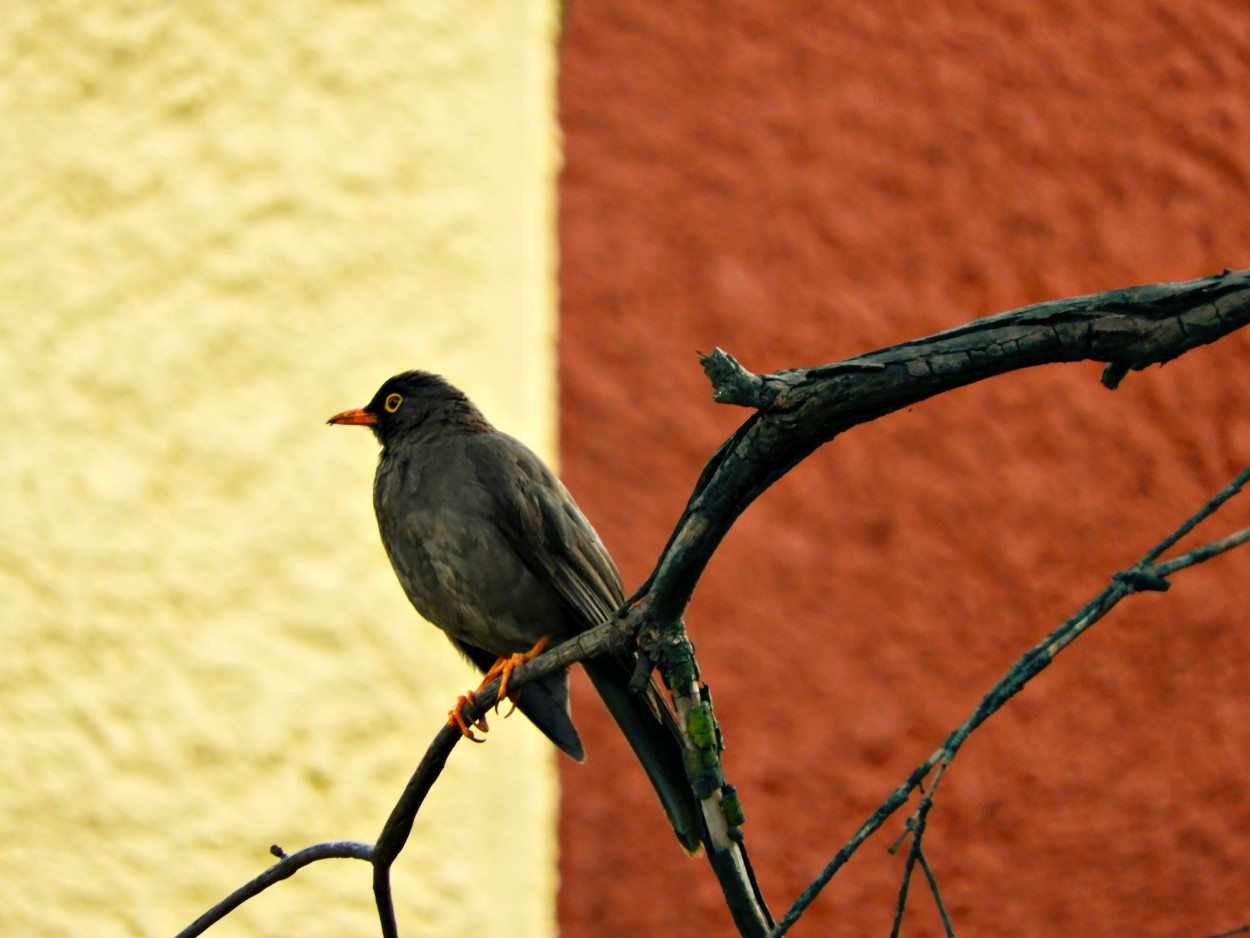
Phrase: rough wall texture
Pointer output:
(219, 224)
(798, 188)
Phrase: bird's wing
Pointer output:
(546, 529)
(553, 538)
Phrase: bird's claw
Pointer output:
(505, 667)
(456, 717)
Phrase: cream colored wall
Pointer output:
(220, 223)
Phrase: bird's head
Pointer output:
(413, 403)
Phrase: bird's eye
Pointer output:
(392, 402)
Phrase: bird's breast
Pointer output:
(455, 565)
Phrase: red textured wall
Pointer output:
(801, 182)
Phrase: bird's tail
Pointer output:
(546, 703)
(656, 745)
(651, 729)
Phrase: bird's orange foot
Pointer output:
(456, 717)
(506, 666)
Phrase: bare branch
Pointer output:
(731, 866)
(1200, 554)
(1033, 662)
(916, 826)
(283, 869)
(799, 410)
(796, 412)
(728, 858)
(937, 895)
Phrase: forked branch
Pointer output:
(1146, 575)
(796, 412)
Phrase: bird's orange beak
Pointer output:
(356, 418)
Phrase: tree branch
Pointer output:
(915, 826)
(1143, 576)
(799, 410)
(731, 867)
(937, 895)
(285, 868)
(796, 412)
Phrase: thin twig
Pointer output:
(399, 824)
(1210, 508)
(937, 895)
(901, 905)
(1031, 663)
(283, 869)
(916, 828)
(1200, 554)
(917, 834)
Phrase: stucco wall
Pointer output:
(219, 224)
(801, 186)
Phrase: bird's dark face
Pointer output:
(407, 403)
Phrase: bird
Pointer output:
(491, 548)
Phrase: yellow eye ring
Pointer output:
(392, 402)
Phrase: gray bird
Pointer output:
(491, 548)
